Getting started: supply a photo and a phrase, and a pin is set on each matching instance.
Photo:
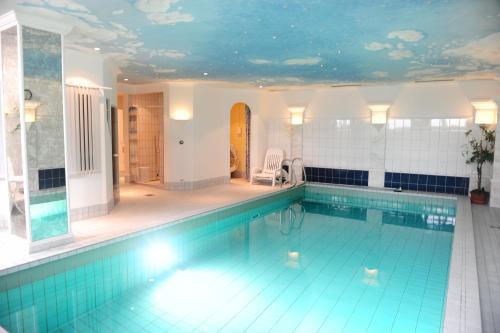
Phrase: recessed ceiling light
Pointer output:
(205, 74)
(97, 48)
(125, 79)
(261, 86)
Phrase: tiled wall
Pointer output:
(279, 135)
(42, 76)
(427, 183)
(146, 136)
(419, 146)
(427, 146)
(10, 101)
(51, 178)
(337, 143)
(337, 176)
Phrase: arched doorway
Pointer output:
(240, 141)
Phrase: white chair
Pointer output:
(272, 167)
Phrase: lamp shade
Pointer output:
(486, 112)
(30, 111)
(297, 113)
(379, 113)
(180, 114)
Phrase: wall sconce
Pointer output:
(379, 113)
(486, 112)
(180, 114)
(30, 111)
(297, 113)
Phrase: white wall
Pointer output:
(179, 162)
(212, 107)
(88, 69)
(4, 210)
(424, 134)
(110, 73)
(495, 181)
(205, 151)
(337, 132)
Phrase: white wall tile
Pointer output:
(427, 146)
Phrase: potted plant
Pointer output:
(479, 151)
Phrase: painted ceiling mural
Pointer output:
(270, 42)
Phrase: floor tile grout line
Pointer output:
(322, 236)
(326, 265)
(331, 282)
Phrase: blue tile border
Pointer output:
(51, 178)
(427, 183)
(337, 176)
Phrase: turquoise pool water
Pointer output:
(49, 216)
(320, 261)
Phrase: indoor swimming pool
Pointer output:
(308, 259)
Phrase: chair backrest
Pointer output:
(273, 160)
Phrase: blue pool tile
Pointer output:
(337, 176)
(450, 190)
(405, 178)
(364, 175)
(396, 177)
(329, 173)
(440, 189)
(427, 183)
(423, 179)
(388, 177)
(450, 181)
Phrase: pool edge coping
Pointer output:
(462, 307)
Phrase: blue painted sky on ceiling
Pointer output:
(286, 42)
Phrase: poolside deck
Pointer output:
(141, 207)
(487, 242)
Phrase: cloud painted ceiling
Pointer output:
(286, 42)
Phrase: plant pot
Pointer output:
(479, 197)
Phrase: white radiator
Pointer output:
(84, 136)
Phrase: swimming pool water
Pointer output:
(316, 264)
(49, 216)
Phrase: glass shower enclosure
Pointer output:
(33, 131)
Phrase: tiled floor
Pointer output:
(143, 207)
(487, 239)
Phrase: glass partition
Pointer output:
(12, 130)
(44, 125)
